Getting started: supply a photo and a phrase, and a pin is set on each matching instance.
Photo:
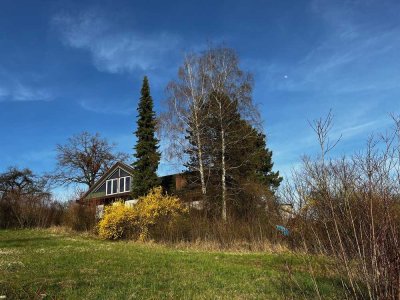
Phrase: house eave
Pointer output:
(122, 165)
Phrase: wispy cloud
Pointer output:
(110, 108)
(22, 92)
(351, 67)
(363, 128)
(17, 85)
(343, 59)
(113, 50)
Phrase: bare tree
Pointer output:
(25, 200)
(188, 96)
(199, 94)
(322, 128)
(230, 89)
(84, 159)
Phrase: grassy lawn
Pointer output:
(71, 266)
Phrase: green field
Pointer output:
(44, 264)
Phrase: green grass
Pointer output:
(71, 266)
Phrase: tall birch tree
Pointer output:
(207, 88)
(230, 94)
(186, 115)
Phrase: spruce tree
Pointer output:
(147, 156)
(264, 171)
(248, 161)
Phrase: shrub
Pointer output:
(157, 213)
(119, 222)
(347, 208)
(79, 217)
(28, 211)
(153, 216)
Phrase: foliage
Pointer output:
(210, 123)
(249, 178)
(146, 149)
(118, 222)
(153, 212)
(84, 159)
(156, 210)
(264, 172)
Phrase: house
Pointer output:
(116, 184)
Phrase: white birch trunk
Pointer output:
(200, 157)
(223, 176)
(223, 163)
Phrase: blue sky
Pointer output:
(70, 66)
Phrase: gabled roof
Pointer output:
(103, 178)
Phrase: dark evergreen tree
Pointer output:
(147, 156)
(264, 171)
(248, 162)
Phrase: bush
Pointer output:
(158, 213)
(79, 217)
(119, 222)
(153, 215)
(28, 211)
(348, 208)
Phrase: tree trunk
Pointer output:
(200, 156)
(223, 176)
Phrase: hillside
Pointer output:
(60, 265)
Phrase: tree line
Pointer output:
(211, 127)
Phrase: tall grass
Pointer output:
(256, 234)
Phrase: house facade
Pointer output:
(116, 185)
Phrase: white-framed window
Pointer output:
(118, 185)
(125, 184)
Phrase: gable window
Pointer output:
(128, 184)
(115, 186)
(125, 184)
(119, 185)
(122, 184)
(109, 187)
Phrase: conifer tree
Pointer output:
(147, 156)
(247, 160)
(264, 171)
(212, 124)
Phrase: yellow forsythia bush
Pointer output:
(157, 210)
(153, 212)
(118, 222)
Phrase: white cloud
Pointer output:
(25, 93)
(114, 50)
(363, 128)
(22, 92)
(343, 60)
(93, 106)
